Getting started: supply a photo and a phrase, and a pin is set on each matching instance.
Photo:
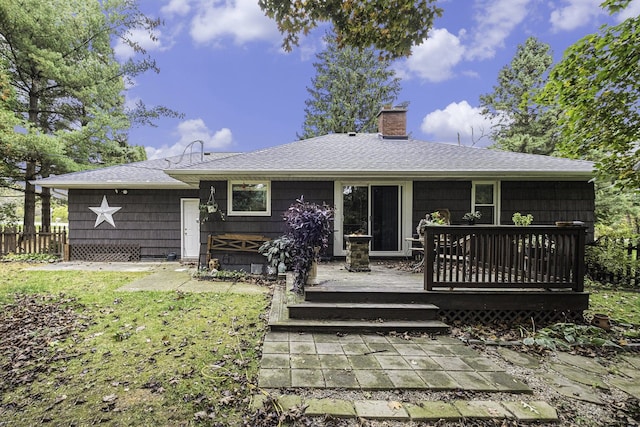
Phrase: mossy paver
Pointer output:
(406, 379)
(432, 349)
(305, 361)
(532, 411)
(357, 339)
(275, 347)
(462, 350)
(325, 338)
(423, 363)
(579, 375)
(520, 359)
(382, 348)
(505, 382)
(374, 338)
(438, 380)
(355, 348)
(630, 386)
(452, 363)
(572, 389)
(392, 362)
(586, 363)
(632, 360)
(257, 402)
(301, 337)
(409, 349)
(482, 364)
(307, 378)
(301, 347)
(432, 411)
(277, 337)
(335, 407)
(340, 378)
(373, 379)
(380, 409)
(289, 401)
(274, 378)
(275, 361)
(481, 409)
(329, 348)
(334, 361)
(472, 381)
(364, 362)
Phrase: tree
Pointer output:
(521, 123)
(350, 87)
(597, 85)
(391, 26)
(67, 88)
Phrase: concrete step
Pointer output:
(362, 311)
(358, 326)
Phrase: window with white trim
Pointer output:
(249, 198)
(484, 198)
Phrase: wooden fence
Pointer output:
(15, 240)
(615, 260)
(502, 257)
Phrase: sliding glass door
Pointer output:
(375, 210)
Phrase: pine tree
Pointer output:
(350, 87)
(521, 124)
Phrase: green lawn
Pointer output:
(135, 358)
(623, 306)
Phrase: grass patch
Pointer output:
(622, 306)
(137, 358)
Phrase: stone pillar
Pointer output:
(358, 252)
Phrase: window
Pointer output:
(250, 198)
(484, 199)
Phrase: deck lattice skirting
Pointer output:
(104, 252)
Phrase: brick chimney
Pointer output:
(392, 123)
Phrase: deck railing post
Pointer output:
(429, 258)
(580, 263)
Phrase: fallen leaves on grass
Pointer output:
(32, 328)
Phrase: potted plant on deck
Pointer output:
(309, 227)
(279, 253)
(472, 217)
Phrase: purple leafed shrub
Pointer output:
(309, 226)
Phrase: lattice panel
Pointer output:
(487, 317)
(104, 252)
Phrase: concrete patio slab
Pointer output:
(532, 411)
(585, 363)
(481, 409)
(572, 389)
(335, 407)
(520, 359)
(433, 411)
(380, 409)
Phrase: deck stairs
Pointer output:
(351, 309)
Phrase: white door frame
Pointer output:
(189, 223)
(406, 209)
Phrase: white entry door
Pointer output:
(190, 220)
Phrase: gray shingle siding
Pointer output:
(150, 218)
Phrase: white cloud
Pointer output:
(494, 23)
(243, 20)
(574, 14)
(176, 7)
(149, 42)
(630, 11)
(457, 119)
(188, 132)
(434, 59)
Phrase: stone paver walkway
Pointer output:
(375, 362)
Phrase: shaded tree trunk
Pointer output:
(29, 218)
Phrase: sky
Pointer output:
(222, 66)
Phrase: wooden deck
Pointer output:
(389, 294)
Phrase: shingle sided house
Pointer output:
(380, 183)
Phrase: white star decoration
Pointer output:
(104, 212)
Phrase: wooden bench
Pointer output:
(234, 243)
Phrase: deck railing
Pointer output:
(15, 240)
(502, 257)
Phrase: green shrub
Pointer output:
(609, 256)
